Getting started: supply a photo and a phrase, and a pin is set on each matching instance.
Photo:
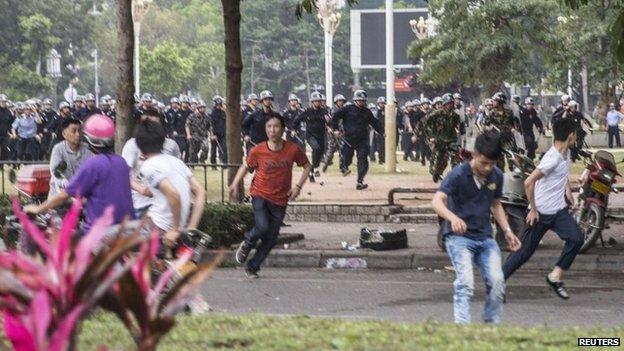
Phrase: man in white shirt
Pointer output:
(547, 189)
(141, 195)
(170, 182)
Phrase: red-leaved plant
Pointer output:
(43, 301)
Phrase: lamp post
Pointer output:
(139, 9)
(391, 108)
(53, 67)
(329, 20)
(96, 89)
(420, 28)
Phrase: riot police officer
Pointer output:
(105, 104)
(579, 119)
(290, 113)
(561, 109)
(171, 115)
(217, 138)
(197, 133)
(355, 120)
(333, 143)
(377, 143)
(49, 117)
(6, 120)
(254, 131)
(316, 119)
(528, 120)
(443, 128)
(89, 108)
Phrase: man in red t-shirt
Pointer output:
(271, 188)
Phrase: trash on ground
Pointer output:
(350, 263)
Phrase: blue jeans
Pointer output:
(486, 255)
(268, 218)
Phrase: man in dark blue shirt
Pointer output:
(465, 198)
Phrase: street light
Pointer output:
(329, 20)
(139, 9)
(420, 28)
(53, 67)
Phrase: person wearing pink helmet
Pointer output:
(102, 180)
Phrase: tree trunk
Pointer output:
(125, 75)
(233, 70)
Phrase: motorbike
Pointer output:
(32, 183)
(596, 183)
(514, 199)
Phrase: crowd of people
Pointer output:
(427, 130)
(152, 177)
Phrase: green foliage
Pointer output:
(166, 69)
(38, 37)
(485, 43)
(258, 332)
(226, 223)
(21, 82)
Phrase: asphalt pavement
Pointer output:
(413, 296)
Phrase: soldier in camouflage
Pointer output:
(197, 132)
(504, 120)
(442, 129)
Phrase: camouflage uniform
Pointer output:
(199, 126)
(505, 121)
(443, 126)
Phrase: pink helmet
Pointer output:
(99, 131)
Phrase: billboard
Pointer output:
(368, 37)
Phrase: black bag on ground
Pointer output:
(383, 240)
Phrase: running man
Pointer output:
(272, 161)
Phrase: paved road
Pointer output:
(412, 296)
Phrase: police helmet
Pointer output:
(360, 95)
(265, 94)
(316, 96)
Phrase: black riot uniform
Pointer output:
(290, 114)
(217, 119)
(316, 125)
(528, 120)
(6, 120)
(355, 121)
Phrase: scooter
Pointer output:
(514, 197)
(597, 182)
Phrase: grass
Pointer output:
(260, 332)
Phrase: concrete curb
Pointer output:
(418, 259)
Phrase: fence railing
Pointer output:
(5, 166)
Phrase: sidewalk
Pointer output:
(322, 243)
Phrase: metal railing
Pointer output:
(6, 165)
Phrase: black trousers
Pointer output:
(561, 223)
(614, 133)
(220, 146)
(317, 143)
(362, 148)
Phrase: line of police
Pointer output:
(428, 130)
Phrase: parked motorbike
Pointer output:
(597, 182)
(514, 199)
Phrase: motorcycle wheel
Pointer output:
(440, 240)
(591, 220)
(517, 222)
